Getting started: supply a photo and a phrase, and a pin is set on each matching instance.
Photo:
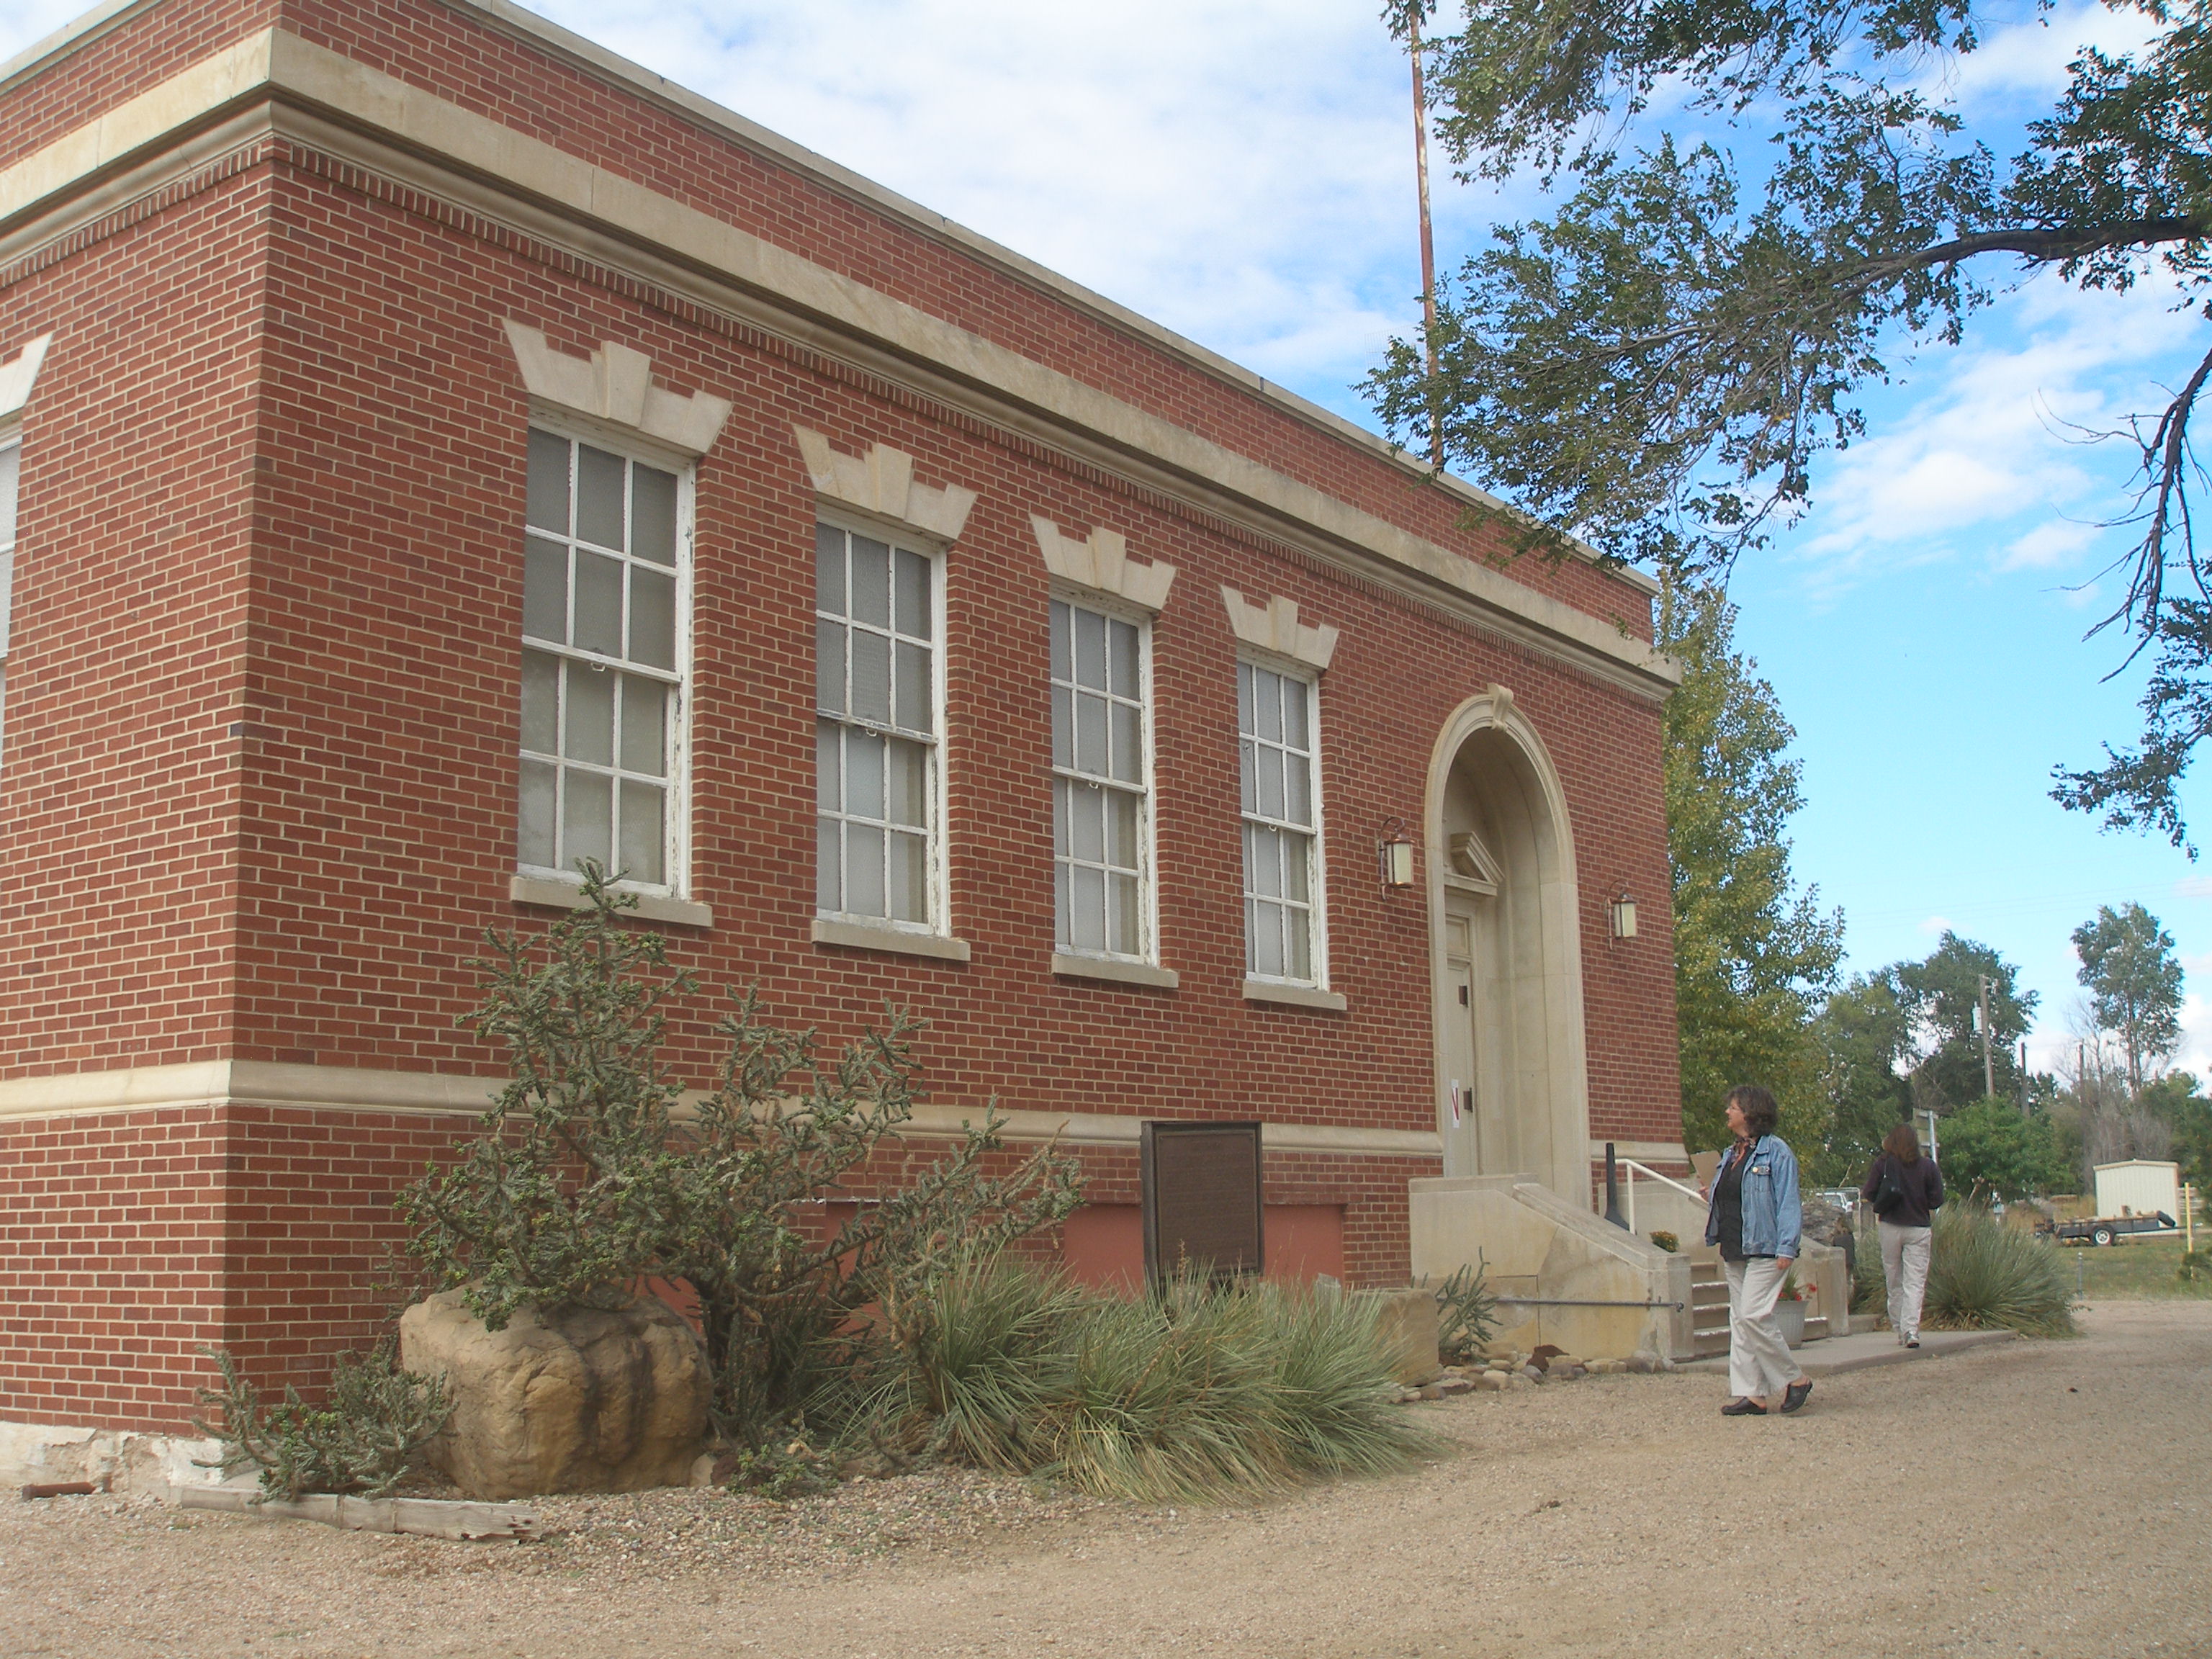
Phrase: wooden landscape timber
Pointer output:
(428, 1517)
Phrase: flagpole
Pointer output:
(1428, 238)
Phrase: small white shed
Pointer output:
(2141, 1186)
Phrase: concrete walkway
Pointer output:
(1869, 1348)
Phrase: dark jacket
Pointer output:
(1923, 1189)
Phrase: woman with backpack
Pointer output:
(1757, 1218)
(1905, 1188)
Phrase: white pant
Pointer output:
(1760, 1365)
(1905, 1266)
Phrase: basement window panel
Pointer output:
(1102, 784)
(876, 731)
(1281, 799)
(606, 656)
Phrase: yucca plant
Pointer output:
(1983, 1275)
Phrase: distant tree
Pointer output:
(1992, 1145)
(1942, 994)
(1865, 1035)
(1752, 954)
(2174, 1097)
(2134, 981)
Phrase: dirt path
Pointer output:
(2041, 1499)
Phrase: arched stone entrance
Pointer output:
(1512, 1094)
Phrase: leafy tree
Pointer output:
(1656, 363)
(1994, 1145)
(2134, 981)
(1751, 954)
(1865, 1036)
(2174, 1097)
(1942, 994)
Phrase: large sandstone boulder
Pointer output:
(590, 1399)
(1407, 1321)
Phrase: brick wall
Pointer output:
(261, 773)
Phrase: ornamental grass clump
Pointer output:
(1983, 1275)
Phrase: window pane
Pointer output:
(828, 569)
(591, 715)
(1120, 829)
(1063, 931)
(548, 507)
(914, 595)
(1267, 703)
(827, 791)
(1267, 941)
(872, 677)
(828, 891)
(652, 514)
(1087, 828)
(644, 846)
(1247, 769)
(644, 726)
(864, 774)
(1063, 813)
(908, 784)
(541, 705)
(652, 618)
(1295, 695)
(1122, 642)
(1263, 866)
(1091, 650)
(909, 878)
(1128, 743)
(871, 582)
(534, 842)
(1086, 905)
(598, 496)
(1297, 789)
(1063, 727)
(1062, 651)
(863, 870)
(586, 815)
(1244, 698)
(829, 666)
(1122, 935)
(1091, 736)
(1295, 848)
(1271, 782)
(598, 604)
(545, 591)
(1297, 944)
(912, 710)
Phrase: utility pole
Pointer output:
(1930, 1115)
(1989, 1065)
(1428, 239)
(2023, 1077)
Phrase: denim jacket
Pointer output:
(1773, 1216)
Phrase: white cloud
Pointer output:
(1936, 927)
(2032, 56)
(2194, 887)
(2050, 543)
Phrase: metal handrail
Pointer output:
(1629, 1195)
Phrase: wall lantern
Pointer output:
(1623, 911)
(1395, 855)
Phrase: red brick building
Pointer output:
(432, 450)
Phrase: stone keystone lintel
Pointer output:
(1275, 627)
(615, 384)
(882, 483)
(1102, 564)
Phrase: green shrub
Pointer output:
(1466, 1314)
(1869, 1287)
(1983, 1275)
(2195, 1264)
(364, 1439)
(1662, 1239)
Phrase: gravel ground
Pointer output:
(2038, 1497)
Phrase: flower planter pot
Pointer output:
(1790, 1316)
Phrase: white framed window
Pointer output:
(11, 472)
(1102, 782)
(877, 622)
(606, 660)
(1277, 728)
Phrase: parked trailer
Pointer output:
(2108, 1229)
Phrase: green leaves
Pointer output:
(2134, 981)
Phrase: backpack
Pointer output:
(1888, 1188)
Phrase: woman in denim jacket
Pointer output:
(1756, 1219)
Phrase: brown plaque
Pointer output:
(1202, 1198)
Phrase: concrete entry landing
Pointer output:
(1872, 1348)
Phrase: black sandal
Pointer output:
(1743, 1407)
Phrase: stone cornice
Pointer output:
(395, 121)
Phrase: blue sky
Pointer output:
(1240, 170)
